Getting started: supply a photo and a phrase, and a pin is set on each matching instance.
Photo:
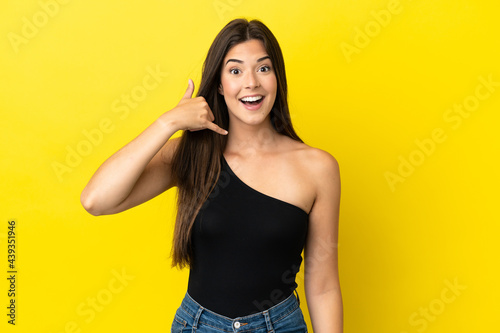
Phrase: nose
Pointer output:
(251, 80)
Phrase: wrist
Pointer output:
(167, 123)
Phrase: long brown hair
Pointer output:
(196, 163)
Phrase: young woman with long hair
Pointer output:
(251, 194)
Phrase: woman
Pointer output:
(251, 194)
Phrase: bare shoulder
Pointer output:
(316, 161)
(322, 161)
(321, 171)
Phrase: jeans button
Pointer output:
(237, 324)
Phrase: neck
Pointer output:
(246, 140)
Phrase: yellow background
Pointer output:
(401, 246)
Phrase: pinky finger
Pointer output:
(217, 129)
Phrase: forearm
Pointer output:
(115, 178)
(326, 311)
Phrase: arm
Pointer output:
(322, 286)
(134, 174)
(141, 169)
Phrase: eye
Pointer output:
(267, 68)
(233, 69)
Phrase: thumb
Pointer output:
(189, 90)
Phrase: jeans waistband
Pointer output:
(240, 324)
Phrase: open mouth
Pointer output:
(255, 100)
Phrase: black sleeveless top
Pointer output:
(246, 249)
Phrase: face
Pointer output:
(248, 83)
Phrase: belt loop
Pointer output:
(270, 328)
(298, 299)
(196, 318)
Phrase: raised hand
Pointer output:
(193, 114)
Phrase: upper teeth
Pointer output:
(251, 99)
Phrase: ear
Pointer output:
(221, 91)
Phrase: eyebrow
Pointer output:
(241, 61)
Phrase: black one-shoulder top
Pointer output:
(246, 248)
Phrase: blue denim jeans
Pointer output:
(285, 317)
